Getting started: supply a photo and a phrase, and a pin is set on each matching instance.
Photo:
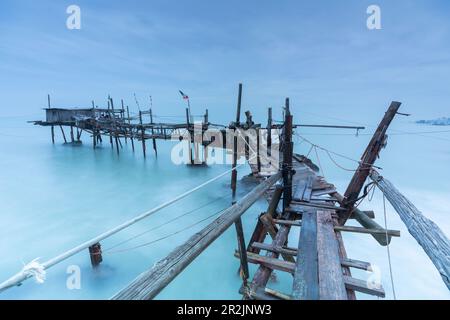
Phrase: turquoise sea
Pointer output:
(54, 197)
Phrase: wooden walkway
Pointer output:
(318, 263)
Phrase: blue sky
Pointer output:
(319, 53)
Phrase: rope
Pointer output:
(388, 250)
(338, 165)
(335, 153)
(164, 224)
(166, 236)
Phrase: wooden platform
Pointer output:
(318, 263)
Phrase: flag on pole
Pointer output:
(185, 97)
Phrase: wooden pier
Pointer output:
(298, 197)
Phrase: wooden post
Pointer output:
(95, 252)
(191, 160)
(287, 157)
(53, 134)
(238, 110)
(235, 143)
(53, 127)
(72, 138)
(110, 132)
(242, 251)
(123, 116)
(131, 130)
(142, 133)
(206, 117)
(258, 150)
(427, 233)
(150, 283)
(153, 132)
(269, 131)
(116, 138)
(367, 160)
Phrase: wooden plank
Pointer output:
(351, 263)
(308, 190)
(323, 192)
(427, 233)
(295, 204)
(271, 248)
(306, 276)
(269, 262)
(277, 294)
(361, 286)
(150, 283)
(331, 281)
(295, 223)
(365, 221)
(392, 233)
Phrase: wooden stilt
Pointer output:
(72, 138)
(242, 250)
(131, 132)
(154, 140)
(116, 138)
(53, 134)
(63, 134)
(191, 160)
(95, 252)
(123, 115)
(142, 134)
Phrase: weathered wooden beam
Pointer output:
(269, 262)
(242, 250)
(367, 160)
(287, 156)
(392, 233)
(263, 273)
(260, 232)
(366, 222)
(271, 248)
(331, 281)
(306, 276)
(292, 223)
(357, 264)
(316, 205)
(427, 233)
(150, 283)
